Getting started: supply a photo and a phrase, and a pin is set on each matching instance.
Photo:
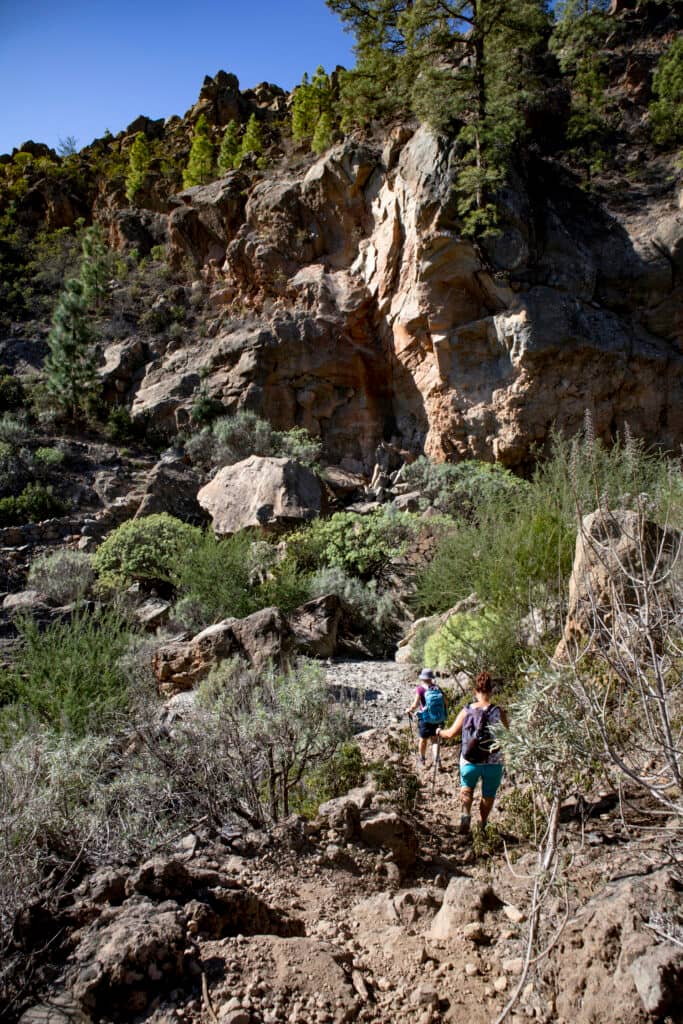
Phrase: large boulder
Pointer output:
(261, 492)
(614, 550)
(608, 963)
(263, 636)
(205, 216)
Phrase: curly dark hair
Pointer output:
(483, 683)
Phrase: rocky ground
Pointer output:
(377, 911)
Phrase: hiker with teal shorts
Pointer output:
(430, 705)
(479, 756)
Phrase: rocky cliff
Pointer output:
(370, 316)
(341, 296)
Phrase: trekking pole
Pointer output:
(410, 722)
(437, 763)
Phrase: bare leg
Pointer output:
(485, 808)
(466, 799)
(422, 748)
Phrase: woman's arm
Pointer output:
(504, 718)
(455, 729)
(414, 706)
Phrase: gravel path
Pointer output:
(381, 690)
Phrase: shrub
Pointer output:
(297, 444)
(344, 771)
(14, 430)
(35, 503)
(666, 113)
(374, 612)
(236, 437)
(214, 578)
(284, 586)
(360, 545)
(68, 677)
(275, 733)
(49, 458)
(63, 575)
(120, 426)
(206, 409)
(461, 489)
(239, 436)
(474, 642)
(145, 549)
(12, 394)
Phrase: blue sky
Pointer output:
(78, 67)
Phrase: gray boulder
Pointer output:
(261, 492)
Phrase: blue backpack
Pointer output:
(434, 710)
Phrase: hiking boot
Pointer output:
(464, 824)
(421, 763)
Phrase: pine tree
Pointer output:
(303, 124)
(322, 137)
(228, 154)
(379, 85)
(199, 168)
(666, 113)
(465, 67)
(71, 376)
(252, 140)
(95, 267)
(138, 167)
(580, 32)
(312, 110)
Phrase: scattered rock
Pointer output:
(465, 903)
(658, 976)
(393, 832)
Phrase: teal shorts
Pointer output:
(490, 775)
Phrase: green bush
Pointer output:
(374, 612)
(666, 112)
(120, 426)
(360, 545)
(68, 677)
(297, 444)
(14, 429)
(241, 435)
(12, 394)
(214, 578)
(63, 576)
(232, 438)
(285, 586)
(145, 549)
(344, 771)
(473, 642)
(275, 731)
(461, 489)
(35, 503)
(49, 458)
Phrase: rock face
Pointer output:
(370, 316)
(261, 492)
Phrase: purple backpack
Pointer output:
(477, 738)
